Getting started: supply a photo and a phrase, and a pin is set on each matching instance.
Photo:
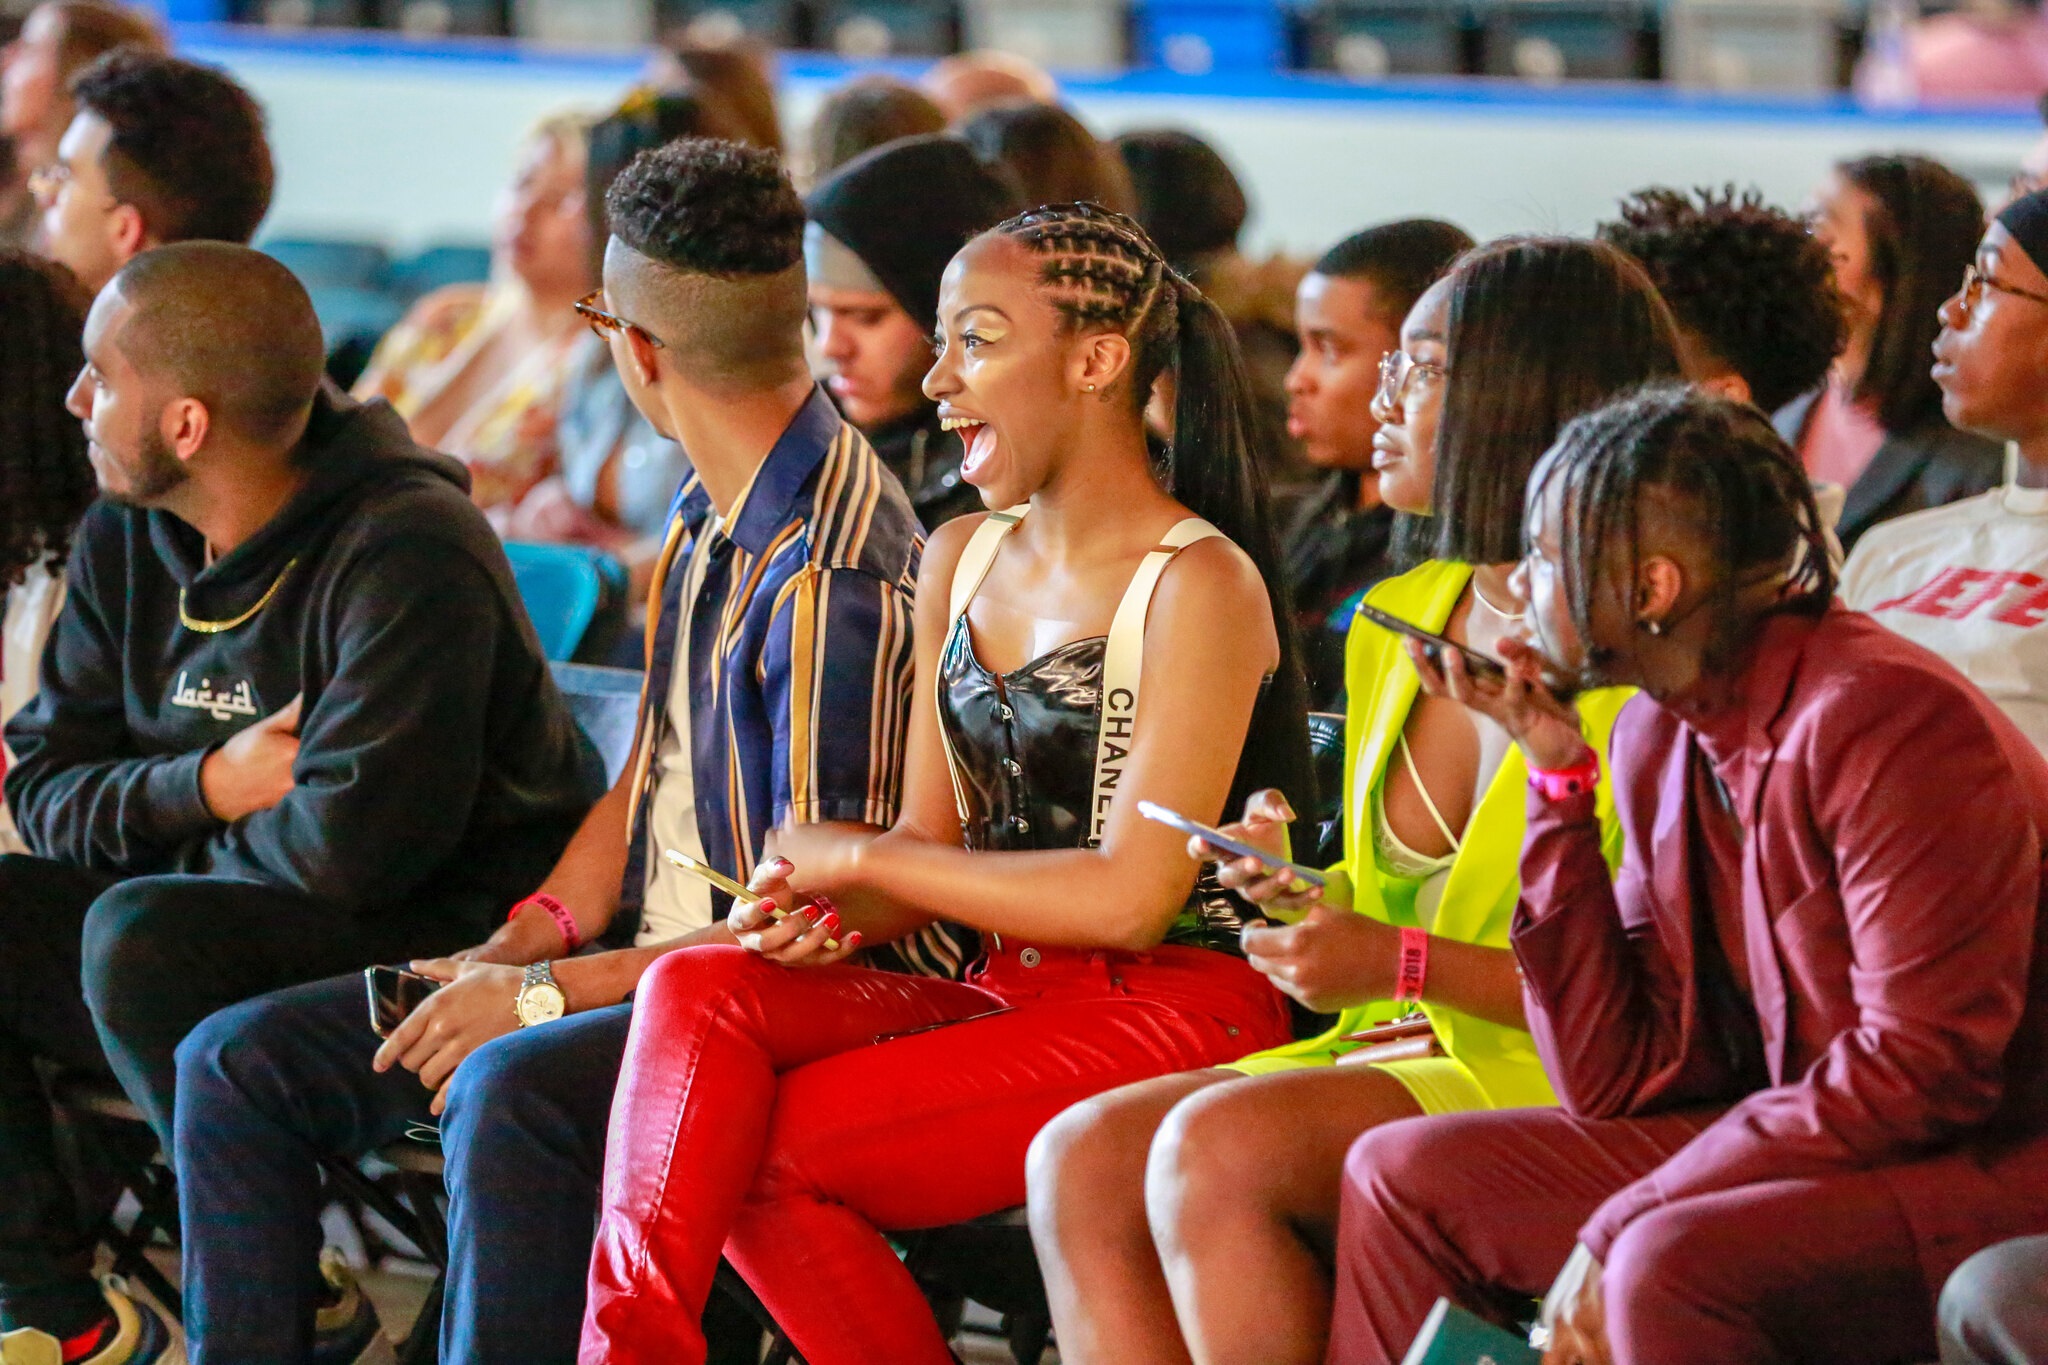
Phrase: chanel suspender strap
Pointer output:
(968, 574)
(1122, 662)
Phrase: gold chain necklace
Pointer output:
(193, 623)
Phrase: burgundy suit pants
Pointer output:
(1485, 1208)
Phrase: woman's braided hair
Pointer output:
(1102, 272)
(46, 482)
(1722, 463)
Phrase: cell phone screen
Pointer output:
(394, 993)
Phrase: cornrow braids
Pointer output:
(1101, 271)
(1747, 494)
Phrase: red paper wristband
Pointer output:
(1558, 783)
(1414, 967)
(559, 913)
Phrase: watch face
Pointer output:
(540, 1003)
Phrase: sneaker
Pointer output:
(141, 1337)
(346, 1331)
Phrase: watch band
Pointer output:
(1557, 784)
(540, 974)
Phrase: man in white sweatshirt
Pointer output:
(1970, 580)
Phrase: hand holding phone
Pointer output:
(740, 894)
(394, 993)
(1434, 646)
(1216, 838)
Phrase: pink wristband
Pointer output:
(1558, 783)
(559, 913)
(1414, 971)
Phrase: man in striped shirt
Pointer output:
(778, 689)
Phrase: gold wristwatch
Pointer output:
(540, 997)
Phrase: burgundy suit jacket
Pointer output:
(1893, 827)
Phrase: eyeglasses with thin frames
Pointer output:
(1975, 282)
(602, 322)
(1396, 369)
(45, 183)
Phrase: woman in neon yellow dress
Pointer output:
(1187, 1218)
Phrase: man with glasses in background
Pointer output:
(1970, 580)
(161, 150)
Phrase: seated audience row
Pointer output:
(928, 761)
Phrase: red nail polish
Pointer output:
(832, 924)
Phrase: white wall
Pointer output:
(379, 139)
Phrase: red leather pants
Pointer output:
(757, 1116)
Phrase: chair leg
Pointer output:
(422, 1345)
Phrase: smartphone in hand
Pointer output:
(1433, 645)
(394, 993)
(1216, 838)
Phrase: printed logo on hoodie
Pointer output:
(222, 703)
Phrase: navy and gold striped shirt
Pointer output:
(800, 654)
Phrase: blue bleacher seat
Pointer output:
(437, 266)
(567, 589)
(606, 705)
(337, 261)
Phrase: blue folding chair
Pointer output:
(321, 261)
(437, 266)
(575, 595)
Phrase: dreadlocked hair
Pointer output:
(46, 482)
(1740, 486)
(1102, 272)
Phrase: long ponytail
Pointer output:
(1214, 469)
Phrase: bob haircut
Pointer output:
(1541, 330)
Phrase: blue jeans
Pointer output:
(268, 1087)
(107, 976)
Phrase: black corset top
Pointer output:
(1023, 743)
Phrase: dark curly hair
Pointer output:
(1749, 281)
(188, 148)
(704, 206)
(45, 480)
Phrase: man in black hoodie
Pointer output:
(293, 721)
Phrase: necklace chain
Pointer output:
(1480, 593)
(193, 623)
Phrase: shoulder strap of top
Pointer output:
(973, 566)
(980, 556)
(1124, 659)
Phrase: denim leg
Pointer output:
(265, 1089)
(524, 1134)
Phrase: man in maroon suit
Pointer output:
(1801, 1041)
